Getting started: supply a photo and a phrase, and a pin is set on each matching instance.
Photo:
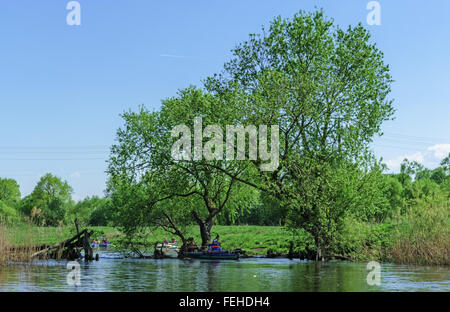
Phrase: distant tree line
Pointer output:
(51, 204)
(386, 195)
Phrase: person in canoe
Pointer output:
(95, 242)
(215, 246)
(191, 246)
(166, 241)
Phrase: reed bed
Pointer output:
(422, 236)
(18, 243)
(9, 252)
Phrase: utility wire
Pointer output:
(406, 136)
(47, 159)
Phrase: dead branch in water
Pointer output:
(68, 249)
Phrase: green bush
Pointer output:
(364, 241)
(8, 215)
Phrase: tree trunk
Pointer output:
(205, 227)
(88, 252)
(319, 251)
(291, 250)
(205, 233)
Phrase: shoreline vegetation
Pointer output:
(420, 238)
(326, 90)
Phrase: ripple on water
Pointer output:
(114, 273)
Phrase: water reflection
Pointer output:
(114, 274)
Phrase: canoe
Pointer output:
(168, 247)
(214, 255)
(102, 245)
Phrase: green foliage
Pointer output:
(10, 192)
(413, 168)
(250, 206)
(445, 188)
(363, 241)
(49, 202)
(393, 191)
(144, 176)
(9, 201)
(102, 215)
(418, 231)
(327, 88)
(445, 164)
(267, 210)
(332, 193)
(8, 215)
(129, 201)
(91, 211)
(439, 175)
(423, 189)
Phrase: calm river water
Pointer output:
(255, 274)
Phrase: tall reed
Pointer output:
(422, 235)
(18, 243)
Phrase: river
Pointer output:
(112, 273)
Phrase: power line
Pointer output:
(408, 141)
(57, 146)
(406, 136)
(56, 152)
(401, 147)
(48, 159)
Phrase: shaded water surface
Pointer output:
(256, 274)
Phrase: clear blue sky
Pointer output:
(63, 87)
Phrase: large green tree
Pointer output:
(9, 200)
(50, 201)
(10, 192)
(327, 88)
(143, 159)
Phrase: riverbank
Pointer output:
(255, 240)
(408, 241)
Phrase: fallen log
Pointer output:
(45, 248)
(139, 253)
(69, 248)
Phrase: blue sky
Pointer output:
(63, 87)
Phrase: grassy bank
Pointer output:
(255, 240)
(421, 236)
(19, 242)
